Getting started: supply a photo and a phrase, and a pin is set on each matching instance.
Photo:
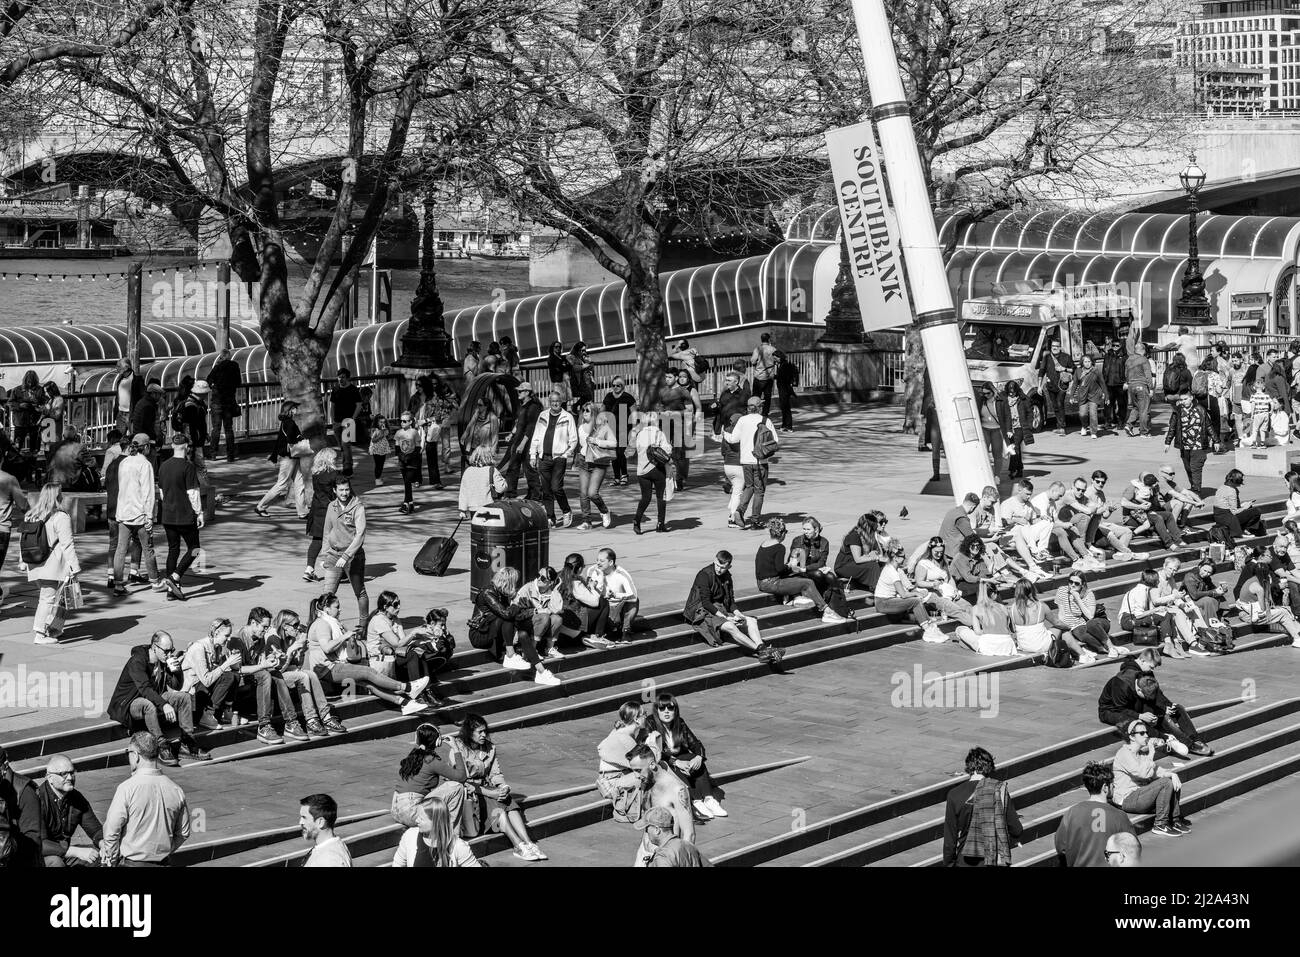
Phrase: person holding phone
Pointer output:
(1230, 512)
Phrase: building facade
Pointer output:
(1245, 56)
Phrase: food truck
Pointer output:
(1006, 335)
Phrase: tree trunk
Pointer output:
(297, 352)
(647, 303)
(914, 370)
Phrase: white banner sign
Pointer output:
(11, 377)
(869, 226)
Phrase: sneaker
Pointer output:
(1199, 652)
(379, 483)
(553, 654)
(831, 617)
(167, 757)
(732, 523)
(566, 520)
(418, 686)
(525, 853)
(1200, 749)
(931, 633)
(1164, 830)
(334, 726)
(315, 729)
(264, 513)
(311, 576)
(173, 589)
(716, 809)
(661, 527)
(586, 527)
(208, 721)
(159, 585)
(1087, 658)
(192, 751)
(595, 641)
(606, 519)
(1119, 649)
(119, 591)
(515, 662)
(46, 640)
(1183, 824)
(802, 601)
(537, 852)
(636, 527)
(405, 508)
(266, 734)
(139, 578)
(414, 706)
(543, 677)
(293, 732)
(702, 810)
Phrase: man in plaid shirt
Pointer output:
(1189, 431)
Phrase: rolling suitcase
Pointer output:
(437, 554)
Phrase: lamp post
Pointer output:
(1193, 308)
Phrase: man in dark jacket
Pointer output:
(1057, 368)
(194, 415)
(144, 417)
(1178, 378)
(959, 813)
(128, 389)
(1113, 375)
(711, 610)
(1133, 694)
(148, 690)
(1190, 433)
(521, 437)
(20, 818)
(225, 381)
(64, 809)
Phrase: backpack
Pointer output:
(1201, 383)
(764, 442)
(35, 547)
(1216, 637)
(177, 421)
(701, 365)
(1058, 655)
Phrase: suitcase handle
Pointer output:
(456, 529)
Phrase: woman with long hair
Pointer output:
(1090, 392)
(897, 598)
(597, 445)
(615, 780)
(586, 610)
(434, 841)
(557, 368)
(1018, 428)
(489, 803)
(431, 419)
(430, 771)
(1230, 512)
(25, 411)
(1079, 609)
(324, 470)
(582, 375)
(53, 409)
(392, 651)
(861, 558)
(287, 638)
(673, 742)
(989, 632)
(935, 583)
(325, 641)
(682, 402)
(1036, 625)
(652, 470)
(294, 474)
(59, 571)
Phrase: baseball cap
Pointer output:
(201, 387)
(754, 402)
(659, 817)
(141, 439)
(524, 386)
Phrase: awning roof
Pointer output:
(103, 343)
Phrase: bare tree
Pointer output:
(219, 100)
(620, 123)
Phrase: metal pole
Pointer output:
(223, 306)
(134, 291)
(954, 398)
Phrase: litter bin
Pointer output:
(511, 533)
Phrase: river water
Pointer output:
(94, 290)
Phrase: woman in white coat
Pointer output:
(59, 568)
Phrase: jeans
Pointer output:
(175, 534)
(133, 557)
(1139, 407)
(652, 483)
(345, 450)
(1093, 634)
(622, 614)
(1194, 462)
(292, 479)
(431, 462)
(222, 420)
(590, 478)
(755, 487)
(140, 536)
(993, 439)
(142, 709)
(407, 803)
(620, 462)
(1054, 412)
(340, 672)
(551, 472)
(763, 387)
(1158, 796)
(356, 572)
(1088, 416)
(794, 585)
(499, 636)
(218, 695)
(266, 685)
(894, 607)
(311, 694)
(1117, 404)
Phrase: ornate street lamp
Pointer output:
(1193, 308)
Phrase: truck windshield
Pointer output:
(1001, 341)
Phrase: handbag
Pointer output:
(354, 649)
(70, 595)
(300, 449)
(658, 456)
(479, 621)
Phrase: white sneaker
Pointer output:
(566, 520)
(553, 654)
(543, 677)
(606, 519)
(1119, 649)
(418, 686)
(45, 640)
(1087, 658)
(413, 707)
(1112, 652)
(1296, 643)
(702, 809)
(832, 617)
(717, 809)
(801, 601)
(933, 634)
(515, 662)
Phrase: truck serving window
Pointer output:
(1001, 341)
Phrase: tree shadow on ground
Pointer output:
(205, 587)
(97, 628)
(682, 524)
